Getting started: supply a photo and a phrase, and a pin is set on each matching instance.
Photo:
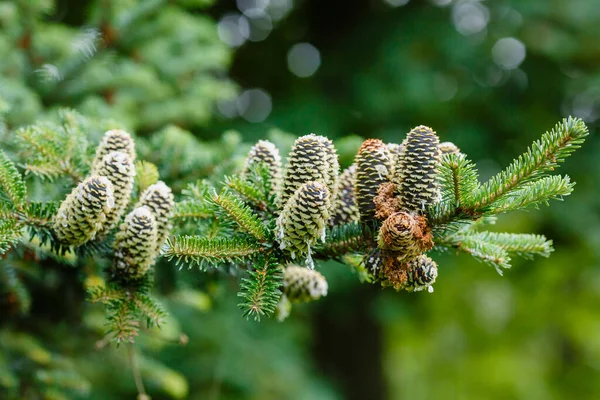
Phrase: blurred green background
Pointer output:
(490, 76)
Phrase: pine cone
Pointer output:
(422, 273)
(373, 168)
(135, 245)
(395, 151)
(82, 214)
(312, 159)
(345, 209)
(266, 152)
(302, 222)
(159, 200)
(118, 167)
(302, 284)
(405, 235)
(416, 170)
(115, 140)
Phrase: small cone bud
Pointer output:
(302, 222)
(312, 159)
(373, 168)
(134, 245)
(345, 209)
(448, 148)
(416, 170)
(266, 152)
(158, 198)
(302, 284)
(119, 168)
(82, 214)
(115, 140)
(422, 273)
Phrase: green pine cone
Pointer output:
(135, 245)
(312, 159)
(401, 233)
(82, 214)
(422, 273)
(448, 148)
(119, 168)
(303, 220)
(115, 140)
(266, 152)
(373, 167)
(302, 284)
(158, 198)
(416, 170)
(345, 209)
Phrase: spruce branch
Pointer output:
(251, 192)
(200, 250)
(487, 252)
(341, 240)
(192, 209)
(150, 309)
(458, 179)
(533, 194)
(12, 185)
(542, 157)
(521, 244)
(10, 232)
(260, 290)
(235, 210)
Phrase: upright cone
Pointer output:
(373, 168)
(417, 169)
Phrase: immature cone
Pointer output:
(302, 222)
(312, 159)
(395, 151)
(345, 209)
(405, 235)
(115, 140)
(422, 273)
(135, 245)
(266, 152)
(82, 214)
(302, 284)
(416, 170)
(448, 148)
(373, 262)
(158, 198)
(373, 168)
(119, 168)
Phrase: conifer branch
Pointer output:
(260, 291)
(487, 252)
(12, 185)
(542, 157)
(248, 190)
(191, 209)
(533, 194)
(149, 308)
(341, 240)
(10, 232)
(200, 250)
(521, 244)
(242, 215)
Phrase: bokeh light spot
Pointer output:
(396, 3)
(508, 53)
(303, 59)
(254, 105)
